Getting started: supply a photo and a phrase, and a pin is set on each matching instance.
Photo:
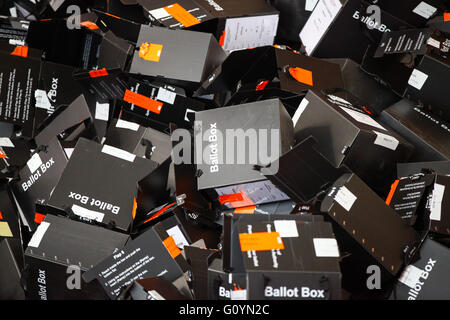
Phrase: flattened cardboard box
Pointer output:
(113, 201)
(236, 25)
(291, 261)
(62, 248)
(152, 254)
(429, 134)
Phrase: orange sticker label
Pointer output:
(90, 25)
(98, 73)
(229, 198)
(260, 241)
(222, 39)
(1, 217)
(142, 101)
(181, 15)
(447, 16)
(150, 51)
(38, 217)
(133, 212)
(2, 154)
(302, 75)
(171, 246)
(262, 85)
(20, 51)
(245, 210)
(392, 192)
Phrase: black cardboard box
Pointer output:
(153, 253)
(180, 57)
(60, 251)
(227, 168)
(427, 278)
(290, 260)
(348, 135)
(113, 201)
(370, 231)
(429, 134)
(235, 24)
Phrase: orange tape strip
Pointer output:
(392, 192)
(90, 25)
(142, 101)
(38, 217)
(302, 75)
(133, 212)
(98, 73)
(260, 241)
(171, 246)
(245, 210)
(20, 51)
(181, 15)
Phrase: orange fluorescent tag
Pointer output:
(98, 73)
(1, 217)
(38, 217)
(230, 198)
(222, 39)
(302, 75)
(20, 51)
(142, 101)
(133, 212)
(262, 85)
(150, 51)
(171, 246)
(391, 193)
(260, 241)
(90, 25)
(181, 15)
(245, 210)
(447, 16)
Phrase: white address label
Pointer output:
(88, 214)
(417, 79)
(345, 198)
(118, 153)
(39, 234)
(424, 10)
(326, 247)
(386, 141)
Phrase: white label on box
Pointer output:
(119, 153)
(299, 111)
(310, 4)
(436, 202)
(286, 228)
(13, 12)
(424, 10)
(5, 230)
(39, 234)
(127, 125)
(159, 13)
(434, 43)
(178, 236)
(363, 118)
(250, 32)
(319, 21)
(55, 4)
(34, 163)
(386, 141)
(326, 247)
(69, 152)
(165, 95)
(42, 100)
(6, 142)
(88, 214)
(154, 295)
(417, 79)
(102, 111)
(16, 42)
(238, 294)
(410, 276)
(345, 198)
